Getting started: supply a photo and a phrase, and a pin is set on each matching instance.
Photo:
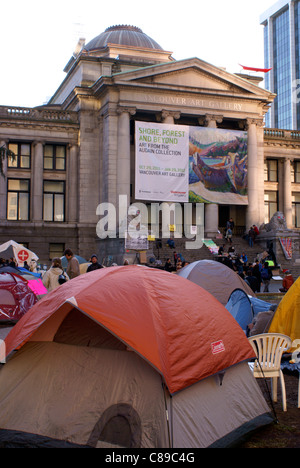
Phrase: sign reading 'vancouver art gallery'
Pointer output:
(178, 163)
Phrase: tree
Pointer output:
(5, 153)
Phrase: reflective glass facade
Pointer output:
(296, 95)
(282, 71)
(282, 55)
(267, 65)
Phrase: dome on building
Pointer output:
(123, 35)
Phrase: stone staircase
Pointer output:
(192, 255)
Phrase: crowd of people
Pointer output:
(56, 275)
(257, 274)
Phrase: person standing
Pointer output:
(51, 277)
(252, 236)
(256, 271)
(73, 269)
(266, 276)
(95, 265)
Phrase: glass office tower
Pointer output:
(282, 53)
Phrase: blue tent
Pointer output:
(244, 307)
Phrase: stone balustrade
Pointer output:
(270, 133)
(29, 113)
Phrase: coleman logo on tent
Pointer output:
(217, 347)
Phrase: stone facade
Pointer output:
(92, 116)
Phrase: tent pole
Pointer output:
(170, 429)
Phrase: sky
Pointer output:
(38, 38)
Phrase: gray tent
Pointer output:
(216, 278)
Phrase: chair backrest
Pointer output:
(269, 348)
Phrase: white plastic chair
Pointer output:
(269, 348)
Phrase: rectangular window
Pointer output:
(22, 152)
(271, 205)
(54, 201)
(296, 209)
(295, 168)
(18, 195)
(56, 250)
(271, 170)
(55, 157)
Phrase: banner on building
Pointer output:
(178, 163)
(286, 244)
(161, 162)
(218, 163)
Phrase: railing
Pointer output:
(29, 113)
(238, 231)
(282, 134)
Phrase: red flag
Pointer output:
(264, 70)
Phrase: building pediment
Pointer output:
(193, 75)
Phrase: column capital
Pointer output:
(38, 142)
(127, 109)
(164, 114)
(212, 119)
(254, 121)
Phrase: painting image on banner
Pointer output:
(161, 162)
(217, 166)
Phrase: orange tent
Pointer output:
(175, 325)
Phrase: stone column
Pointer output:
(110, 154)
(260, 173)
(211, 219)
(3, 187)
(212, 209)
(287, 193)
(252, 215)
(123, 159)
(72, 189)
(281, 185)
(37, 181)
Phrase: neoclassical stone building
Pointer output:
(78, 151)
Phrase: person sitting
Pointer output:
(171, 243)
(95, 265)
(231, 250)
(287, 281)
(262, 321)
(168, 265)
(178, 264)
(221, 249)
(244, 259)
